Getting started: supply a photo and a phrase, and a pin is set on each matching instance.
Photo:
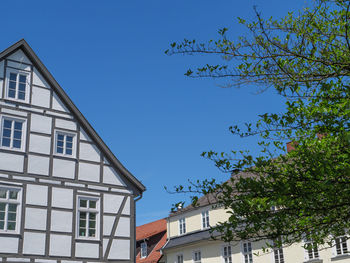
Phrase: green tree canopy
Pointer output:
(305, 57)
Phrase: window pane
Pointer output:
(3, 193)
(11, 225)
(12, 93)
(69, 151)
(2, 225)
(6, 133)
(82, 232)
(92, 216)
(92, 204)
(11, 217)
(92, 233)
(12, 207)
(69, 145)
(17, 144)
(5, 142)
(83, 203)
(22, 78)
(59, 150)
(69, 138)
(22, 87)
(83, 215)
(60, 144)
(17, 134)
(13, 76)
(92, 224)
(82, 223)
(18, 125)
(7, 124)
(2, 206)
(12, 85)
(2, 215)
(60, 137)
(21, 95)
(13, 195)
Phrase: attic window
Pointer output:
(64, 143)
(143, 249)
(17, 85)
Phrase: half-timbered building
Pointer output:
(64, 196)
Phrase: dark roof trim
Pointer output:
(22, 44)
(197, 236)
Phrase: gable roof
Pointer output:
(156, 235)
(23, 45)
(150, 229)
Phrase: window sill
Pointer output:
(87, 240)
(10, 234)
(340, 257)
(12, 100)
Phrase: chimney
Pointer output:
(291, 146)
(320, 136)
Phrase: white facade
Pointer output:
(194, 245)
(64, 197)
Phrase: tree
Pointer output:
(305, 57)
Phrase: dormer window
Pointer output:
(143, 249)
(17, 85)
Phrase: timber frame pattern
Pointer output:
(44, 178)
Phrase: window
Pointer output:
(311, 250)
(341, 246)
(247, 252)
(9, 209)
(197, 258)
(180, 258)
(88, 217)
(205, 219)
(226, 254)
(17, 85)
(182, 226)
(278, 253)
(12, 133)
(64, 143)
(143, 249)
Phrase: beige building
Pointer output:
(189, 241)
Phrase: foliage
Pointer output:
(305, 57)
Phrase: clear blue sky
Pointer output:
(109, 57)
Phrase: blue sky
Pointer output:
(109, 57)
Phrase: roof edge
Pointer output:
(22, 44)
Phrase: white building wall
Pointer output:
(51, 182)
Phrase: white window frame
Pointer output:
(314, 251)
(7, 86)
(88, 210)
(74, 143)
(250, 255)
(341, 246)
(205, 219)
(24, 132)
(143, 253)
(177, 258)
(194, 256)
(18, 202)
(227, 258)
(279, 251)
(182, 226)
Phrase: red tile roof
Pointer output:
(154, 232)
(150, 229)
